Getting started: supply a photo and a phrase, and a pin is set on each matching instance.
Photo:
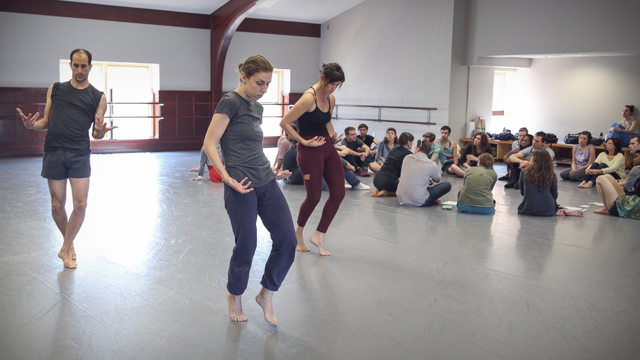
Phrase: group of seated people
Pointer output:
(414, 176)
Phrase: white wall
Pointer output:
(576, 94)
(300, 54)
(521, 27)
(32, 45)
(396, 53)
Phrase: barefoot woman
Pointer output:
(250, 188)
(316, 156)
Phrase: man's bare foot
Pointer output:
(235, 307)
(317, 239)
(72, 251)
(301, 246)
(375, 192)
(604, 211)
(265, 300)
(67, 260)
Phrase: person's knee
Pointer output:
(80, 206)
(446, 186)
(57, 206)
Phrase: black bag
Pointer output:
(552, 138)
(597, 142)
(506, 136)
(571, 139)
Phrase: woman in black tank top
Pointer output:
(317, 157)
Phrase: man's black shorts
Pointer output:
(60, 165)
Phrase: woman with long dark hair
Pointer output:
(610, 161)
(539, 188)
(317, 157)
(472, 151)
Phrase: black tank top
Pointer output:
(314, 123)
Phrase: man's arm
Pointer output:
(100, 127)
(516, 158)
(32, 122)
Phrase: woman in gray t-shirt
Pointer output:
(250, 188)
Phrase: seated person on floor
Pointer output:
(389, 142)
(284, 143)
(521, 133)
(472, 151)
(204, 161)
(626, 128)
(476, 197)
(522, 159)
(419, 184)
(368, 140)
(583, 155)
(434, 149)
(386, 180)
(448, 150)
(524, 143)
(610, 161)
(539, 188)
(357, 152)
(622, 201)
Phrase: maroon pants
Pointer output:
(315, 164)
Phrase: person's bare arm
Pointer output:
(305, 103)
(100, 127)
(32, 122)
(217, 127)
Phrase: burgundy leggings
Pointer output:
(316, 163)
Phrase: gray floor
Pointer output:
(401, 283)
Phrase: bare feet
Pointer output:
(585, 185)
(72, 251)
(301, 246)
(604, 211)
(67, 259)
(235, 307)
(573, 212)
(565, 212)
(265, 300)
(376, 193)
(317, 239)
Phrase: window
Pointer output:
(273, 113)
(136, 84)
(499, 78)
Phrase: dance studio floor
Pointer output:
(401, 283)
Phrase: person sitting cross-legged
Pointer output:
(476, 197)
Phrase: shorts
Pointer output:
(446, 166)
(60, 165)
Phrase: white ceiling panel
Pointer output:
(309, 11)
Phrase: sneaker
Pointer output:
(362, 186)
(359, 172)
(347, 186)
(504, 178)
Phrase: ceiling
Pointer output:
(309, 11)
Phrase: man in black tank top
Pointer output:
(72, 108)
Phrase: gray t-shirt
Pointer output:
(526, 153)
(242, 140)
(416, 171)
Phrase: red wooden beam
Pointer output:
(224, 23)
